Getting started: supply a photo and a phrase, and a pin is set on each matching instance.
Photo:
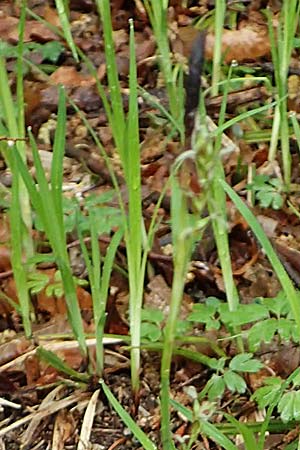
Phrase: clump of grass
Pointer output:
(158, 15)
(47, 202)
(12, 125)
(281, 48)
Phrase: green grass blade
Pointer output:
(64, 20)
(43, 203)
(108, 262)
(20, 275)
(286, 283)
(133, 233)
(182, 240)
(58, 155)
(56, 362)
(217, 436)
(220, 10)
(127, 419)
(248, 435)
(118, 116)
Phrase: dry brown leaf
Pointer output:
(69, 77)
(64, 428)
(240, 45)
(33, 30)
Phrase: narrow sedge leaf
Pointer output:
(117, 116)
(207, 428)
(127, 419)
(245, 431)
(20, 274)
(217, 436)
(187, 413)
(58, 155)
(65, 24)
(60, 365)
(286, 283)
(109, 260)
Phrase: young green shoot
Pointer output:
(20, 211)
(281, 49)
(220, 9)
(158, 15)
(184, 226)
(47, 202)
(62, 9)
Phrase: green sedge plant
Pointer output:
(48, 205)
(99, 280)
(184, 227)
(126, 135)
(158, 14)
(282, 42)
(216, 201)
(219, 18)
(12, 125)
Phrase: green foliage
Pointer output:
(285, 394)
(214, 313)
(76, 216)
(229, 378)
(267, 191)
(50, 51)
(151, 321)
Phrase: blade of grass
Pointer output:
(127, 419)
(47, 207)
(56, 176)
(286, 283)
(20, 212)
(64, 20)
(56, 362)
(133, 233)
(20, 275)
(220, 8)
(118, 116)
(217, 202)
(182, 238)
(158, 13)
(281, 49)
(206, 428)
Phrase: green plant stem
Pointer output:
(220, 8)
(182, 247)
(158, 15)
(113, 80)
(281, 48)
(20, 211)
(217, 209)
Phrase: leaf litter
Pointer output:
(48, 409)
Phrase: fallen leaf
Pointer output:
(69, 77)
